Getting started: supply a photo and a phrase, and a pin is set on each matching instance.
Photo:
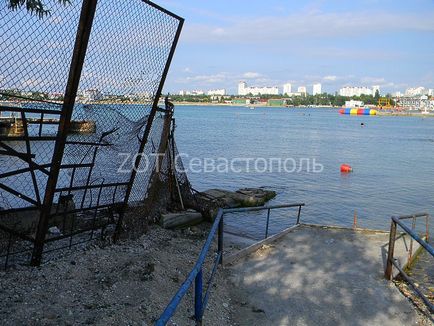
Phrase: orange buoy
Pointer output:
(345, 168)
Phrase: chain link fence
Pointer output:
(80, 125)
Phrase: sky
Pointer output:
(335, 42)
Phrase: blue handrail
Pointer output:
(196, 274)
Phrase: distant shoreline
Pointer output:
(379, 113)
(253, 105)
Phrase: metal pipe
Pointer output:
(423, 243)
(208, 284)
(171, 307)
(220, 240)
(268, 222)
(259, 208)
(392, 236)
(41, 124)
(28, 110)
(403, 217)
(198, 298)
(419, 293)
(29, 153)
(91, 186)
(410, 252)
(298, 215)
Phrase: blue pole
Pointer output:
(198, 298)
(220, 240)
(268, 221)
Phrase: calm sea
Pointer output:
(392, 158)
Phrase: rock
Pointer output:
(180, 219)
(54, 230)
(246, 197)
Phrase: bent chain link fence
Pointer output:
(101, 95)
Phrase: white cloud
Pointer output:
(312, 24)
(330, 78)
(219, 31)
(251, 75)
(373, 80)
(209, 79)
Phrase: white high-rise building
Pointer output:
(242, 86)
(316, 89)
(355, 91)
(217, 92)
(92, 95)
(243, 89)
(415, 91)
(193, 93)
(287, 88)
(302, 89)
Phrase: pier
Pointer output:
(14, 127)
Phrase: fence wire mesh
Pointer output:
(114, 124)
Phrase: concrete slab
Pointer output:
(320, 276)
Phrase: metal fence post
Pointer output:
(198, 298)
(268, 222)
(298, 215)
(410, 252)
(389, 263)
(220, 240)
(80, 47)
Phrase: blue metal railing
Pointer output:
(196, 275)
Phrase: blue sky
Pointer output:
(335, 42)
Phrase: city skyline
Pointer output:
(316, 88)
(335, 43)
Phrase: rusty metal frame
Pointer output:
(81, 42)
(391, 261)
(52, 169)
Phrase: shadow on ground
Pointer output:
(318, 276)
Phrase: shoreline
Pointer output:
(379, 113)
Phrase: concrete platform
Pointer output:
(320, 276)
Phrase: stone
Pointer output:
(180, 219)
(54, 230)
(245, 197)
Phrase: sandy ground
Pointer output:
(125, 284)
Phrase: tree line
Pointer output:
(303, 100)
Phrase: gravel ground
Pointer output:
(129, 283)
